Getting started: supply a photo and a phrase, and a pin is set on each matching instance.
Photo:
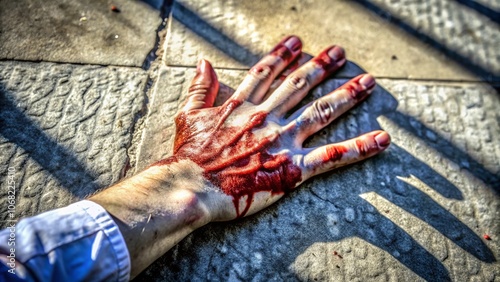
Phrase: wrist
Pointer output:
(178, 188)
(168, 190)
(155, 209)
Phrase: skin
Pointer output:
(236, 159)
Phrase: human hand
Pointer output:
(247, 151)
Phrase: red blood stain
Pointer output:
(166, 161)
(487, 237)
(326, 62)
(334, 153)
(361, 148)
(355, 90)
(232, 157)
(115, 9)
(337, 254)
(281, 50)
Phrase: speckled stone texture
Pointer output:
(85, 31)
(460, 29)
(65, 130)
(418, 211)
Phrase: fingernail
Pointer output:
(336, 53)
(383, 139)
(367, 81)
(293, 43)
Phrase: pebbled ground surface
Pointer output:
(463, 30)
(418, 211)
(65, 129)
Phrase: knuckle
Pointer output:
(262, 72)
(298, 82)
(199, 88)
(322, 111)
(360, 147)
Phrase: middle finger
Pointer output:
(297, 85)
(259, 78)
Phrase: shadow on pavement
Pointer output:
(60, 162)
(447, 148)
(206, 31)
(480, 8)
(480, 71)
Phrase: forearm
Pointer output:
(155, 209)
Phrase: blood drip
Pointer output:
(232, 157)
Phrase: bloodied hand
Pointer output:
(249, 151)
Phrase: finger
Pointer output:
(203, 89)
(295, 64)
(331, 156)
(259, 78)
(318, 114)
(297, 85)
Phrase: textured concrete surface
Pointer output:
(416, 212)
(233, 34)
(454, 27)
(65, 129)
(85, 32)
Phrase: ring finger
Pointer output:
(321, 112)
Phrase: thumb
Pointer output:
(203, 88)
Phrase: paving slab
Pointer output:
(416, 212)
(65, 130)
(234, 34)
(466, 34)
(84, 32)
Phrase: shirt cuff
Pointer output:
(79, 242)
(110, 228)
